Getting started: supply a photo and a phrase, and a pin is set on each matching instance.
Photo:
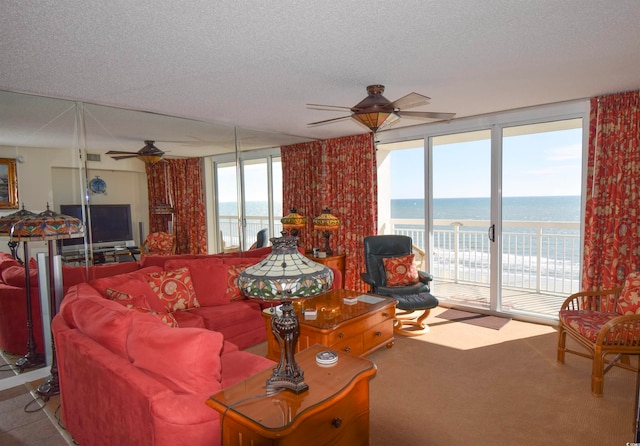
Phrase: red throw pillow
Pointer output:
(400, 270)
(174, 288)
(140, 304)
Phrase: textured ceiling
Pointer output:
(255, 65)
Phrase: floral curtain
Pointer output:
(178, 182)
(301, 171)
(612, 230)
(338, 174)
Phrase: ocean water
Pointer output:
(560, 208)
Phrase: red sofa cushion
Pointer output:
(188, 318)
(140, 304)
(134, 284)
(209, 279)
(235, 266)
(100, 319)
(15, 276)
(187, 360)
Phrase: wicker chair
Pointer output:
(159, 244)
(604, 323)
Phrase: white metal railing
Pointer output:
(229, 229)
(536, 256)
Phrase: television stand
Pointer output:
(104, 255)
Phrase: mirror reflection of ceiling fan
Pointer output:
(377, 112)
(149, 153)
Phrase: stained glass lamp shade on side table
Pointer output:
(326, 223)
(285, 275)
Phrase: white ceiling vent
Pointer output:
(93, 157)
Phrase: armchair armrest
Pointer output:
(622, 331)
(425, 277)
(368, 279)
(592, 300)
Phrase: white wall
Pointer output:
(53, 176)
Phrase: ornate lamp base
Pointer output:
(327, 248)
(287, 374)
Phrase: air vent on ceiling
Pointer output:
(93, 157)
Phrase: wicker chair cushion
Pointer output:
(587, 323)
(629, 301)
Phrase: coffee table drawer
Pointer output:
(377, 335)
(352, 345)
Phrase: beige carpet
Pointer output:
(462, 384)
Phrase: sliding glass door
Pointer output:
(248, 197)
(540, 207)
(461, 217)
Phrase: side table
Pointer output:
(335, 409)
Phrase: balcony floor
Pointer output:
(514, 301)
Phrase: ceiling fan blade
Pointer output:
(410, 101)
(327, 107)
(122, 157)
(117, 152)
(426, 115)
(326, 121)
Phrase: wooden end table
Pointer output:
(335, 409)
(359, 328)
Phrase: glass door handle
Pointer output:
(492, 233)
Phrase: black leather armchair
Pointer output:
(411, 298)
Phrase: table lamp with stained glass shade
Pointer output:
(293, 222)
(47, 226)
(326, 223)
(283, 276)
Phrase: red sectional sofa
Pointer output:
(13, 307)
(139, 353)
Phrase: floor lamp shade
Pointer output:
(6, 224)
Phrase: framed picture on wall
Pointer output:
(8, 184)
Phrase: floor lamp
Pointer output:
(48, 226)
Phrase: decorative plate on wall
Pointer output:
(98, 186)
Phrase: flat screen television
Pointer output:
(110, 225)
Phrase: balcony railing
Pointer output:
(229, 229)
(543, 257)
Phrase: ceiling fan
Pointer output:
(376, 112)
(149, 153)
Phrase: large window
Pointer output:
(496, 210)
(248, 198)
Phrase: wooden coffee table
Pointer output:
(358, 328)
(335, 409)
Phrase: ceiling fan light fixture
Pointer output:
(376, 120)
(150, 159)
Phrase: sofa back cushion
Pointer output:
(209, 277)
(187, 360)
(629, 300)
(100, 319)
(134, 284)
(15, 276)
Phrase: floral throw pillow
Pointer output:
(140, 304)
(629, 300)
(400, 270)
(233, 292)
(174, 288)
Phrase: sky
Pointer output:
(540, 164)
